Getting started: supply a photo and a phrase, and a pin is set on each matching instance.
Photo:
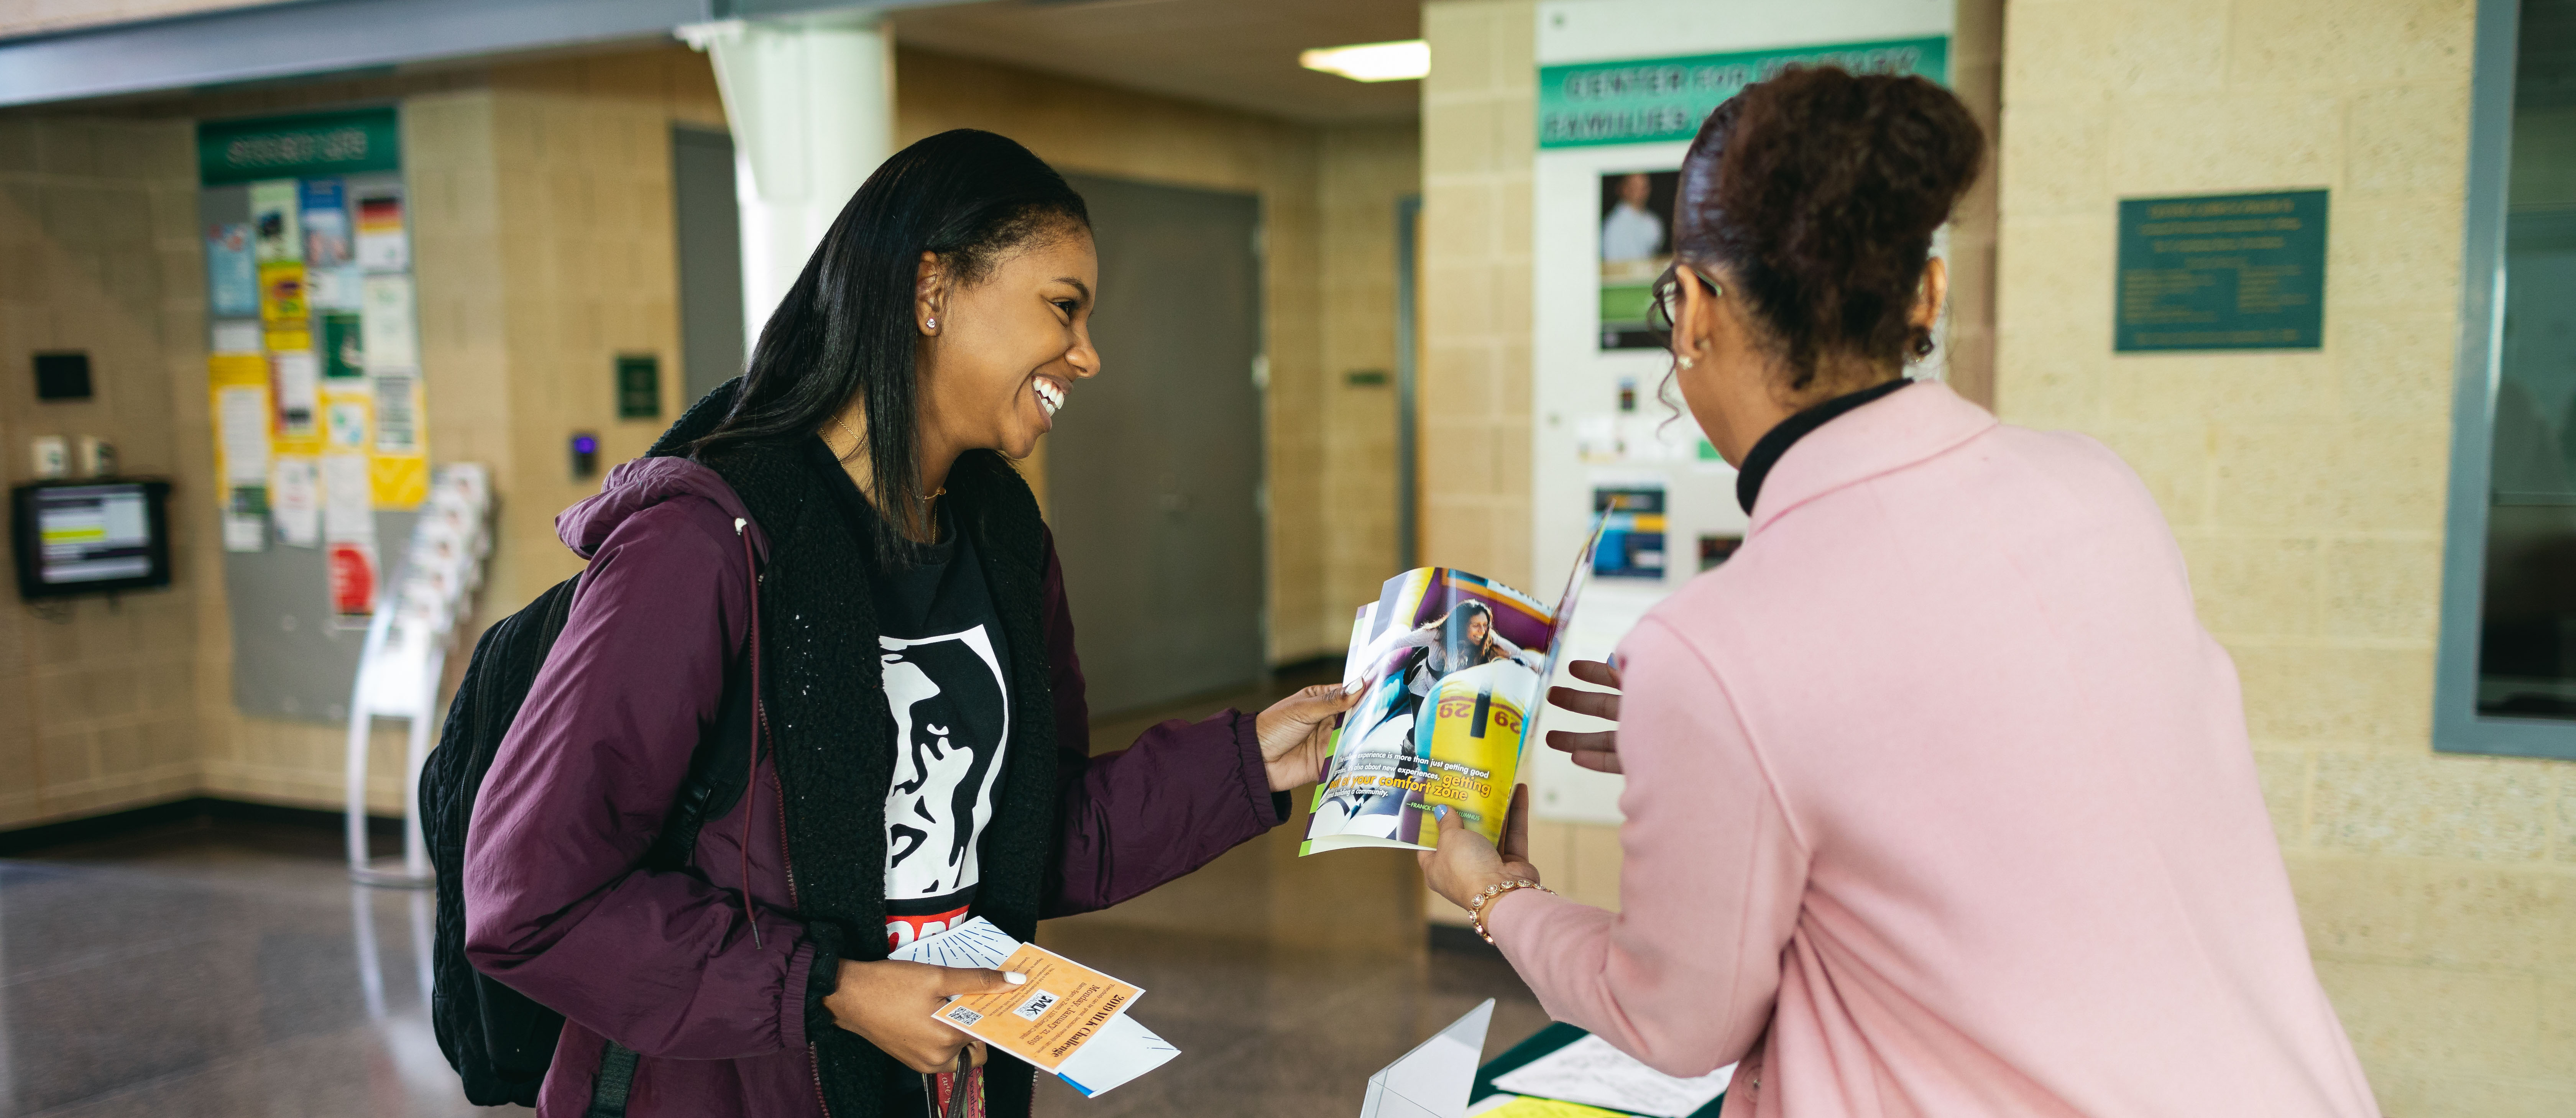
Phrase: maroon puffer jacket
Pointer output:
(664, 962)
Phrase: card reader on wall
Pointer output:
(585, 456)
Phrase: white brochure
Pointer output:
(1120, 1051)
(1591, 1072)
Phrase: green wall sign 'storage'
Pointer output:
(1651, 100)
(315, 145)
(2232, 271)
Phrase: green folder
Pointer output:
(1556, 1035)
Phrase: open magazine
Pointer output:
(1452, 670)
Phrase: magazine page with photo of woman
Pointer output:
(1449, 667)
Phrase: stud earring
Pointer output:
(930, 324)
(1686, 362)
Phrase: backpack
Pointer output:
(499, 1040)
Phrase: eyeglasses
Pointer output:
(1667, 303)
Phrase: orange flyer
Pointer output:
(1061, 1008)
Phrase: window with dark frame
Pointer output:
(2508, 659)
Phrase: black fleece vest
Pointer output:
(823, 689)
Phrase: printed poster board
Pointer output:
(1623, 88)
(314, 379)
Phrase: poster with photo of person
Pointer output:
(1636, 247)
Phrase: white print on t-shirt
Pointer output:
(942, 794)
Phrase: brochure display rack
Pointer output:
(405, 654)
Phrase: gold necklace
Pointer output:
(855, 442)
(855, 445)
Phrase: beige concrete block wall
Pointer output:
(97, 228)
(2307, 490)
(1478, 141)
(588, 263)
(1366, 171)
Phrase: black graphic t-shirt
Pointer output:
(948, 688)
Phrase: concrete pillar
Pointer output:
(811, 104)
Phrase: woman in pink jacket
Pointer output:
(1939, 799)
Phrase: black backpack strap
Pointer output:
(758, 724)
(718, 774)
(616, 1079)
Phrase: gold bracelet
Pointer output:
(1476, 908)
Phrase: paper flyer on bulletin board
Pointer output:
(349, 538)
(232, 277)
(389, 336)
(238, 385)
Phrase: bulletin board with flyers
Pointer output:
(314, 381)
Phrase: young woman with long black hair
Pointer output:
(925, 756)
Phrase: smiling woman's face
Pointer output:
(1007, 349)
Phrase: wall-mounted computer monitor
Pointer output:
(90, 537)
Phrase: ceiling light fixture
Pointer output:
(1372, 62)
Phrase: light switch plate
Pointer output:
(52, 458)
(97, 457)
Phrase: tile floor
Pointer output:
(213, 970)
(222, 970)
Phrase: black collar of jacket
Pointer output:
(823, 689)
(1775, 442)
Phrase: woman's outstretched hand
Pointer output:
(1464, 863)
(1297, 734)
(1598, 751)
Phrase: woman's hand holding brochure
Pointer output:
(890, 1001)
(1465, 862)
(1296, 734)
(1065, 1018)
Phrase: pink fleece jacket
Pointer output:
(1939, 802)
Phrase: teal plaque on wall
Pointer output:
(2234, 271)
(312, 145)
(1651, 100)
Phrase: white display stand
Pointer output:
(1433, 1080)
(405, 656)
(1580, 438)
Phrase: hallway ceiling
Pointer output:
(1241, 54)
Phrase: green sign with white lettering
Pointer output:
(316, 145)
(2234, 271)
(1649, 100)
(639, 386)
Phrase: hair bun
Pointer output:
(1820, 189)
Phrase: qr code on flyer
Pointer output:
(962, 1015)
(1036, 1006)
